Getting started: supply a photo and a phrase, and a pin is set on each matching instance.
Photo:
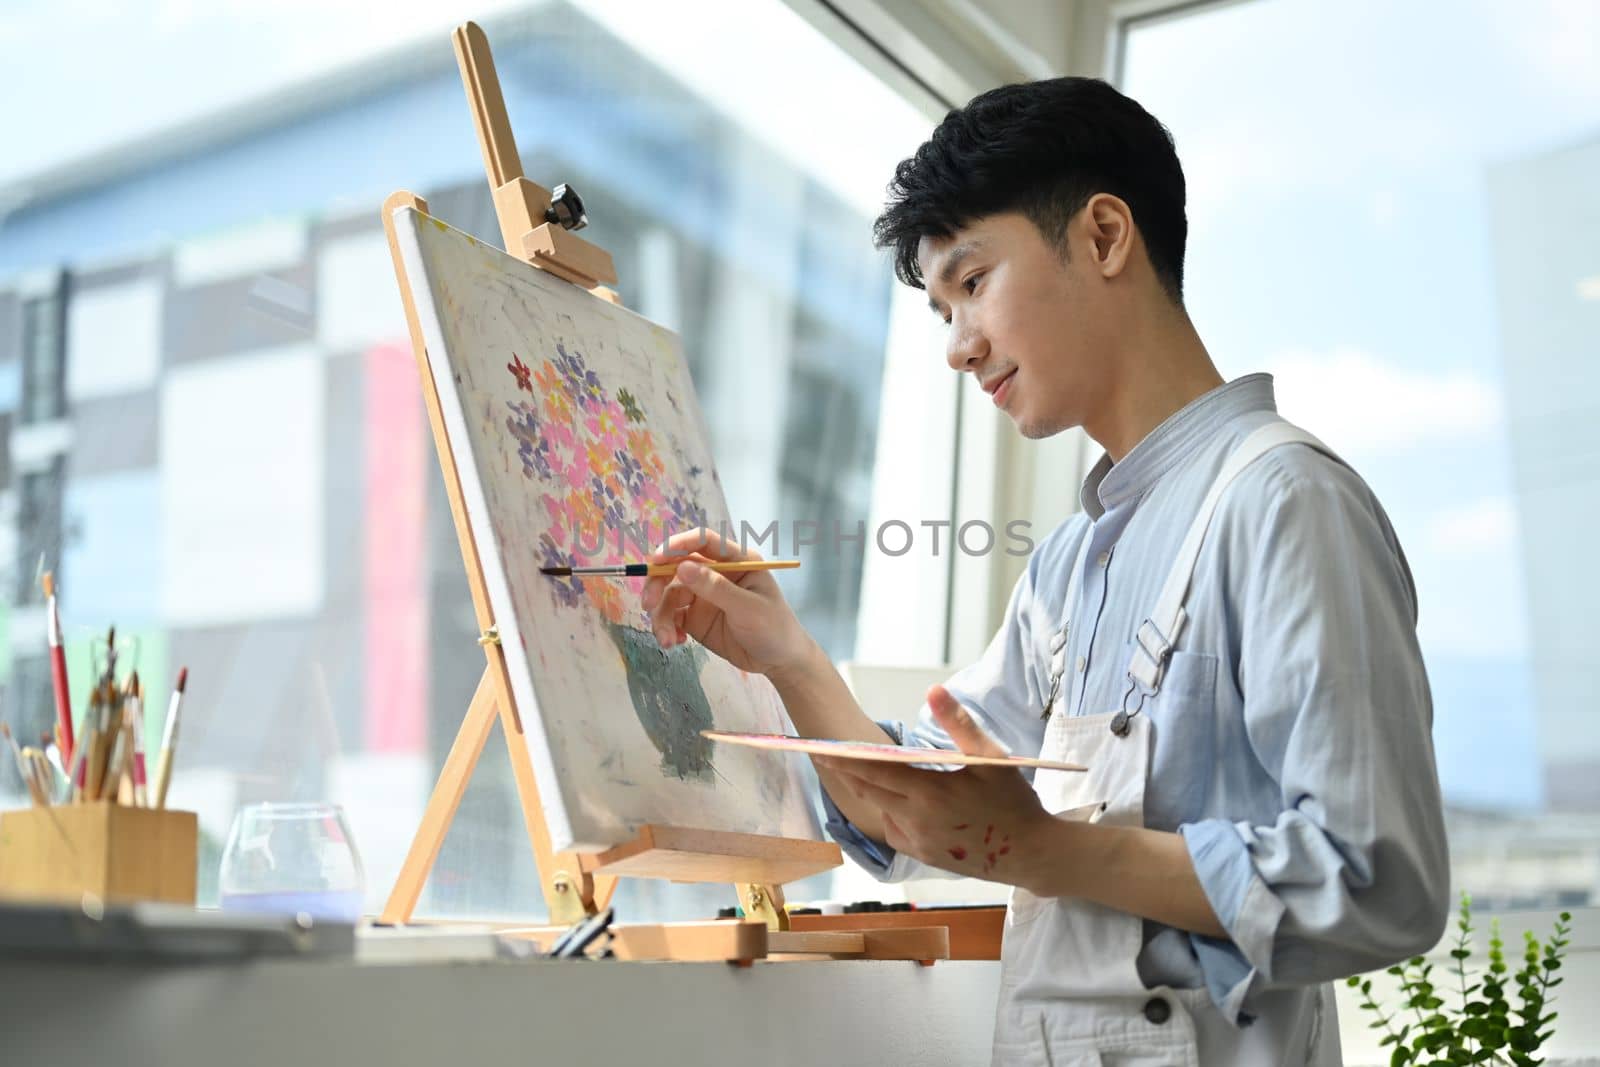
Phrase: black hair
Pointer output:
(1042, 149)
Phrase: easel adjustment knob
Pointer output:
(566, 208)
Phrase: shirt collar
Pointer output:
(1109, 485)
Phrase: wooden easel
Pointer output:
(578, 884)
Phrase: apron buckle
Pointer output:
(1123, 719)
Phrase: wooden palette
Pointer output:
(867, 750)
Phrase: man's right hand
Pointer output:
(741, 617)
(744, 619)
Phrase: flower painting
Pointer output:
(573, 426)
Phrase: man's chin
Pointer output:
(1035, 429)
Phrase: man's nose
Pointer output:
(966, 348)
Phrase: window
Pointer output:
(42, 356)
(1392, 208)
(251, 488)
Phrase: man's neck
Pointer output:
(1163, 369)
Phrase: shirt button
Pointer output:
(1103, 558)
(1157, 1011)
(1082, 663)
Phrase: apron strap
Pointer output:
(1058, 641)
(1158, 634)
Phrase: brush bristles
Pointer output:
(49, 583)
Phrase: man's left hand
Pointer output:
(976, 821)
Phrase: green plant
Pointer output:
(1485, 1028)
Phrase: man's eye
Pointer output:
(971, 284)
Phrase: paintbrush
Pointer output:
(78, 769)
(51, 748)
(41, 776)
(651, 570)
(58, 664)
(169, 741)
(16, 751)
(30, 777)
(100, 754)
(133, 713)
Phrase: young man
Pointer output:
(1225, 637)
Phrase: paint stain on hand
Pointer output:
(958, 853)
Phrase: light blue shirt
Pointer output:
(1293, 749)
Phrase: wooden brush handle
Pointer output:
(158, 798)
(737, 566)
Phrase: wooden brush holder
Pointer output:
(115, 852)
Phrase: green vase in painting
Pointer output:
(664, 686)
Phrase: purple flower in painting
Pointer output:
(684, 510)
(581, 383)
(631, 473)
(532, 448)
(568, 590)
(604, 499)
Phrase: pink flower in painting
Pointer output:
(560, 513)
(561, 437)
(607, 424)
(575, 474)
(602, 474)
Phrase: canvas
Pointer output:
(577, 435)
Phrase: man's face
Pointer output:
(1021, 320)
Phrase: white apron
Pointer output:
(1070, 993)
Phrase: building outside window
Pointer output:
(239, 473)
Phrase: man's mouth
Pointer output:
(1000, 387)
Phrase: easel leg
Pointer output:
(571, 892)
(447, 794)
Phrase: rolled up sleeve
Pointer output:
(1352, 873)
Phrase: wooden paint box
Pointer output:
(116, 852)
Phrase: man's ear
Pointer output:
(1108, 224)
